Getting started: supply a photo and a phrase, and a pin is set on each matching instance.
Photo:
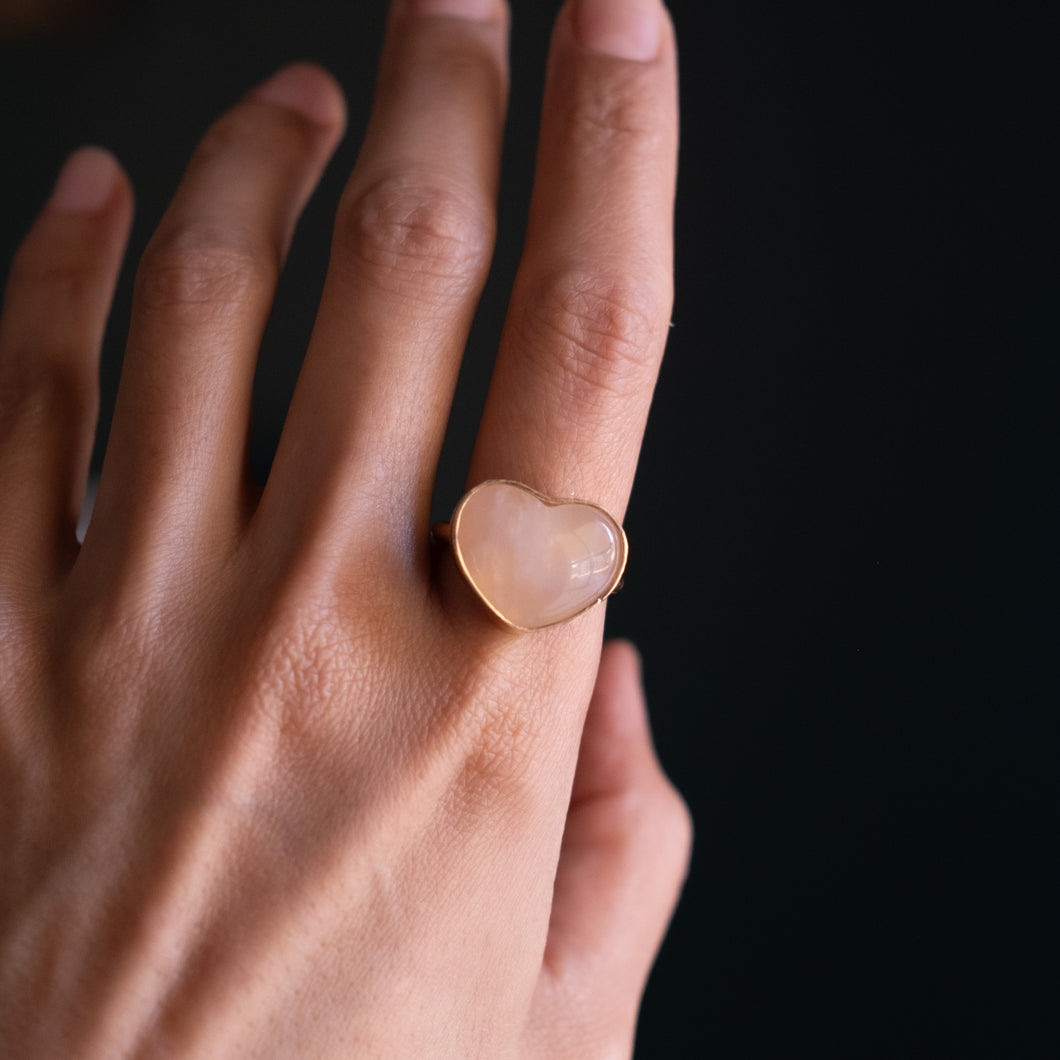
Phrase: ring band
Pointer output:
(534, 561)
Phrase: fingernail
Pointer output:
(478, 10)
(85, 183)
(625, 29)
(305, 89)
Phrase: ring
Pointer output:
(534, 561)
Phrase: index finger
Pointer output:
(590, 309)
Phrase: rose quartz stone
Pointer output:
(533, 560)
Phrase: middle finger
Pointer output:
(411, 249)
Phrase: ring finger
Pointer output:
(176, 454)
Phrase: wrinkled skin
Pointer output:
(273, 783)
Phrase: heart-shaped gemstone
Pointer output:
(535, 561)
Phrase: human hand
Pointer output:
(272, 781)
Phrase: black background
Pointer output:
(843, 569)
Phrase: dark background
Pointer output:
(843, 564)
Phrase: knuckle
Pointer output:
(64, 273)
(651, 814)
(615, 112)
(602, 332)
(56, 295)
(500, 758)
(36, 393)
(97, 660)
(302, 670)
(489, 738)
(267, 132)
(413, 235)
(675, 828)
(202, 269)
(49, 364)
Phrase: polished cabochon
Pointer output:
(535, 561)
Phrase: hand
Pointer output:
(272, 781)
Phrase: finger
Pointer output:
(176, 453)
(411, 250)
(624, 857)
(51, 328)
(590, 309)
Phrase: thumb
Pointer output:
(624, 858)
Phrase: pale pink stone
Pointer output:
(536, 561)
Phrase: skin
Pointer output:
(272, 781)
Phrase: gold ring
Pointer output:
(534, 561)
